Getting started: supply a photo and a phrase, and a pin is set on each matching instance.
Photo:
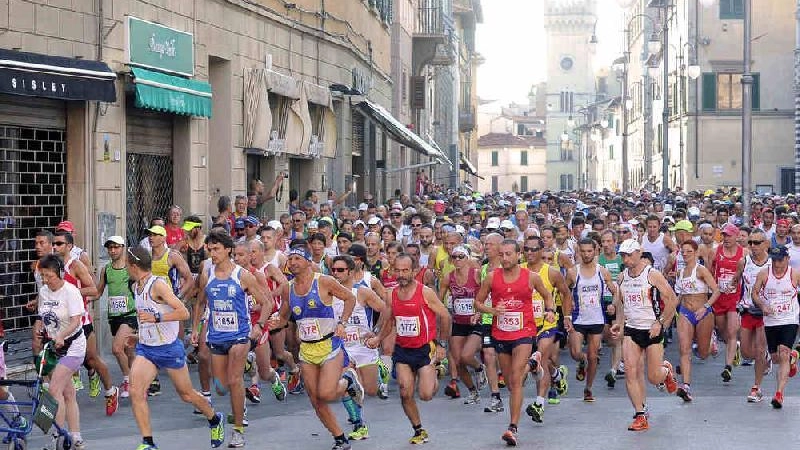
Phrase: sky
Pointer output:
(510, 26)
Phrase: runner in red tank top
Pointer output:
(724, 265)
(413, 314)
(514, 327)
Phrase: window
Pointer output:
(495, 162)
(566, 182)
(566, 151)
(520, 129)
(731, 9)
(523, 159)
(494, 184)
(566, 101)
(723, 91)
(610, 152)
(523, 183)
(787, 180)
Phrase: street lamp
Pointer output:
(666, 5)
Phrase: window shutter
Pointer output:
(418, 92)
(709, 92)
(756, 94)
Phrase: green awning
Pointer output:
(162, 92)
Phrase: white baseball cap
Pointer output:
(374, 221)
(507, 224)
(629, 246)
(275, 225)
(493, 223)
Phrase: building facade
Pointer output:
(512, 163)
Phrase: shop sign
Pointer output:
(157, 47)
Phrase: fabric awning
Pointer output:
(284, 85)
(298, 126)
(38, 75)
(257, 113)
(467, 166)
(400, 132)
(162, 92)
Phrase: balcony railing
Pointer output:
(430, 19)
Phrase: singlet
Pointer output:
(517, 298)
(780, 294)
(538, 301)
(86, 318)
(160, 268)
(376, 269)
(194, 258)
(420, 276)
(360, 322)
(724, 271)
(794, 256)
(229, 310)
(276, 260)
(424, 259)
(640, 307)
(120, 297)
(315, 320)
(688, 285)
(463, 297)
(486, 318)
(658, 250)
(415, 321)
(749, 274)
(388, 281)
(614, 267)
(154, 334)
(587, 298)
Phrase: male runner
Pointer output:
(613, 263)
(489, 356)
(723, 266)
(159, 346)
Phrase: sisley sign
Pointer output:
(157, 47)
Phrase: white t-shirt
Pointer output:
(56, 309)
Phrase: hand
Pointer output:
(498, 310)
(255, 332)
(700, 312)
(31, 305)
(273, 322)
(567, 325)
(655, 329)
(146, 317)
(550, 316)
(340, 331)
(615, 331)
(767, 310)
(59, 341)
(475, 319)
(132, 340)
(372, 342)
(195, 337)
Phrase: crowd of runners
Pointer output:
(481, 292)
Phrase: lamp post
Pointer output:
(747, 113)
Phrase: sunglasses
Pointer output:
(755, 242)
(532, 249)
(416, 225)
(130, 253)
(396, 215)
(58, 244)
(459, 257)
(339, 269)
(250, 225)
(298, 220)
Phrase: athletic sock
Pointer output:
(353, 410)
(417, 429)
(539, 400)
(148, 440)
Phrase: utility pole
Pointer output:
(797, 100)
(665, 162)
(747, 113)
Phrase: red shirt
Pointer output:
(724, 270)
(86, 319)
(517, 297)
(415, 321)
(174, 235)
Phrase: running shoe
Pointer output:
(480, 378)
(621, 369)
(383, 372)
(217, 431)
(552, 396)
(383, 391)
(441, 370)
(249, 363)
(245, 422)
(124, 389)
(279, 389)
(536, 412)
(726, 374)
(354, 388)
(670, 382)
(420, 437)
(684, 392)
(79, 445)
(341, 445)
(696, 350)
(295, 384)
(510, 438)
(580, 374)
(473, 398)
(77, 381)
(155, 388)
(94, 384)
(495, 405)
(755, 395)
(747, 362)
(359, 433)
(639, 423)
(237, 439)
(737, 357)
(793, 355)
(112, 402)
(714, 344)
(146, 447)
(253, 393)
(563, 386)
(501, 381)
(535, 364)
(611, 379)
(587, 396)
(777, 400)
(451, 390)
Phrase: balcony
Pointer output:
(432, 36)
(466, 120)
(469, 10)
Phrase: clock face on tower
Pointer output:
(566, 63)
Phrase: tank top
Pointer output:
(229, 310)
(120, 297)
(315, 320)
(538, 300)
(415, 321)
(724, 271)
(586, 297)
(690, 284)
(420, 276)
(780, 294)
(614, 267)
(388, 281)
(154, 334)
(639, 304)
(276, 260)
(463, 297)
(86, 318)
(749, 274)
(658, 250)
(486, 319)
(160, 268)
(194, 258)
(360, 322)
(272, 285)
(517, 298)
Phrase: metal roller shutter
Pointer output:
(149, 132)
(33, 112)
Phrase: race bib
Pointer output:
(309, 330)
(463, 306)
(117, 304)
(782, 306)
(352, 336)
(226, 321)
(509, 321)
(407, 326)
(590, 300)
(635, 299)
(538, 309)
(725, 282)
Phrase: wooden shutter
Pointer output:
(418, 92)
(756, 94)
(709, 92)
